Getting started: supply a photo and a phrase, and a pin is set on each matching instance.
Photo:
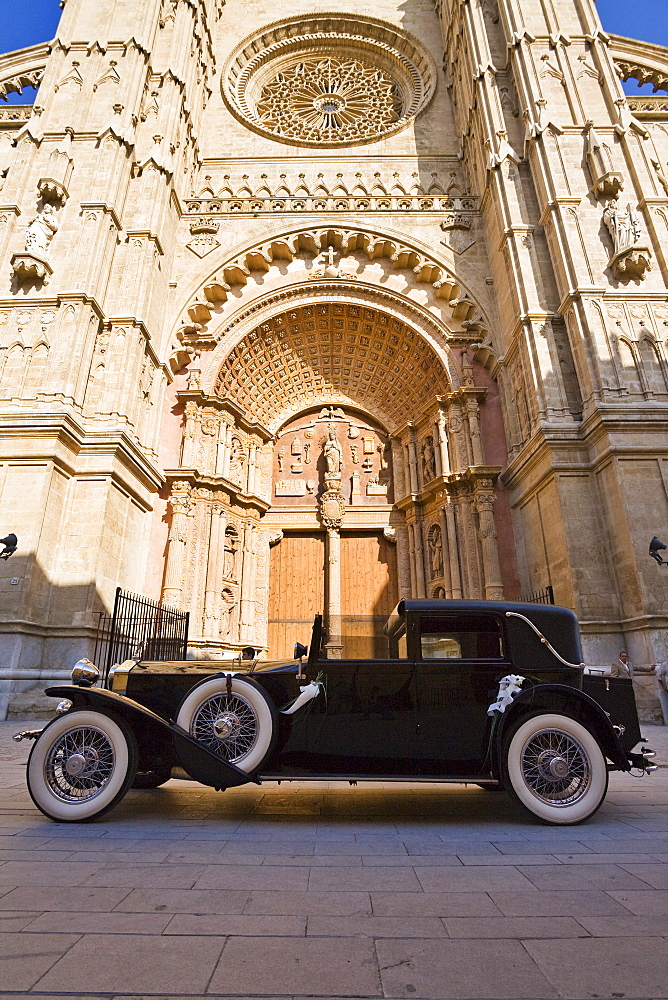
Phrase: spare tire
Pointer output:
(237, 723)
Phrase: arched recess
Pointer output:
(340, 351)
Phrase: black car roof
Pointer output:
(544, 612)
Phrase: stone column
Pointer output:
(474, 430)
(226, 450)
(419, 558)
(484, 504)
(251, 471)
(411, 559)
(412, 461)
(220, 448)
(437, 450)
(453, 554)
(172, 592)
(248, 584)
(445, 542)
(334, 645)
(442, 436)
(214, 573)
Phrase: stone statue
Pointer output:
(237, 456)
(624, 228)
(41, 230)
(428, 459)
(333, 454)
(230, 561)
(436, 552)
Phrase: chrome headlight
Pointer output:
(85, 673)
(118, 676)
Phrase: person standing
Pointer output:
(662, 680)
(622, 667)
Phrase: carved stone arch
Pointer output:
(23, 68)
(210, 290)
(434, 359)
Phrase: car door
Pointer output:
(366, 724)
(460, 660)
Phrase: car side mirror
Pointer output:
(299, 651)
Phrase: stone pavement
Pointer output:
(322, 890)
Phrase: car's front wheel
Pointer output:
(555, 768)
(81, 765)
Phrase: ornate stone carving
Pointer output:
(329, 100)
(328, 81)
(428, 459)
(631, 256)
(33, 263)
(333, 455)
(332, 509)
(606, 181)
(205, 241)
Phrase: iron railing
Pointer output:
(539, 596)
(140, 628)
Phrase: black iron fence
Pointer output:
(140, 628)
(539, 596)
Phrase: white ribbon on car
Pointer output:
(509, 687)
(308, 693)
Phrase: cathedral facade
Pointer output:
(312, 313)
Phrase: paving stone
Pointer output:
(337, 879)
(460, 969)
(41, 898)
(135, 964)
(146, 876)
(654, 875)
(540, 847)
(182, 901)
(605, 859)
(582, 877)
(252, 877)
(479, 878)
(23, 961)
(307, 966)
(101, 923)
(235, 925)
(45, 873)
(15, 920)
(375, 927)
(632, 967)
(558, 903)
(433, 904)
(626, 926)
(641, 903)
(35, 857)
(507, 859)
(331, 903)
(514, 927)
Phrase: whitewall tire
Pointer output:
(239, 727)
(81, 765)
(555, 768)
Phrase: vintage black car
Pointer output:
(490, 693)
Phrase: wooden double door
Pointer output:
(298, 589)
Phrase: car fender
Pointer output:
(568, 701)
(199, 762)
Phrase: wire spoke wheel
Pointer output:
(556, 767)
(233, 718)
(226, 725)
(79, 764)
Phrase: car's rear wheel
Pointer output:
(81, 766)
(238, 725)
(555, 768)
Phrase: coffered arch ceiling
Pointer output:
(332, 352)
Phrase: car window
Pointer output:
(466, 637)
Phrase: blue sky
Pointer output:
(28, 23)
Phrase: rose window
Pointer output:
(328, 80)
(330, 99)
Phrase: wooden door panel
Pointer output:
(368, 592)
(296, 590)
